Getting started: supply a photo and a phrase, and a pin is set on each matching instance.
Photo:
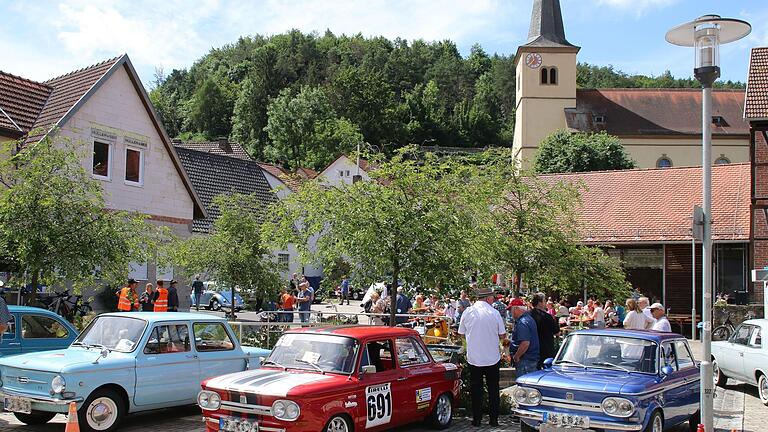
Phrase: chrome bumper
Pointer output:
(40, 399)
(265, 429)
(539, 417)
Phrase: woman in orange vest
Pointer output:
(129, 299)
(161, 298)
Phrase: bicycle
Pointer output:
(62, 303)
(724, 331)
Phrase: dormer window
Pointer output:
(719, 121)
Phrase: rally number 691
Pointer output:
(379, 403)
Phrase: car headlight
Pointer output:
(526, 396)
(285, 410)
(58, 384)
(208, 400)
(618, 407)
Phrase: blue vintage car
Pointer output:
(612, 380)
(216, 300)
(124, 363)
(33, 329)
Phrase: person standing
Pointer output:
(147, 298)
(597, 315)
(547, 328)
(644, 305)
(377, 307)
(173, 296)
(197, 288)
(635, 318)
(403, 305)
(525, 339)
(483, 328)
(5, 314)
(128, 297)
(662, 323)
(161, 298)
(304, 300)
(286, 305)
(344, 290)
(463, 304)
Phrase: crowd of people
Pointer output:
(154, 298)
(296, 297)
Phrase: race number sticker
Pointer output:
(378, 399)
(424, 395)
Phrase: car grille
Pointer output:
(27, 381)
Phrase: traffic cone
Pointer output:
(700, 428)
(72, 424)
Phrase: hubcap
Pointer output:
(657, 424)
(101, 414)
(337, 424)
(715, 372)
(443, 410)
(763, 388)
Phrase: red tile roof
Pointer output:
(655, 205)
(231, 149)
(21, 101)
(292, 180)
(638, 112)
(756, 105)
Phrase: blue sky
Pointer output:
(48, 38)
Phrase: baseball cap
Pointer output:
(657, 306)
(517, 302)
(132, 281)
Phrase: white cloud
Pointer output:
(638, 7)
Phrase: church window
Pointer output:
(544, 75)
(553, 76)
(664, 162)
(722, 160)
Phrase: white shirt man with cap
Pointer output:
(662, 323)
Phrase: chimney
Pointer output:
(224, 144)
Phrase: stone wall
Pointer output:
(737, 313)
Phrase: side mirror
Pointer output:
(368, 369)
(666, 371)
(548, 363)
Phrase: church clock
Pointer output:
(533, 60)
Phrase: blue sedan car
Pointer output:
(216, 300)
(33, 329)
(612, 380)
(123, 363)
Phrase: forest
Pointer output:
(301, 99)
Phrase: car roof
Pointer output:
(757, 321)
(166, 316)
(650, 335)
(14, 308)
(358, 331)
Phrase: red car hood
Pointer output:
(273, 382)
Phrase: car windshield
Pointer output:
(113, 332)
(326, 353)
(608, 352)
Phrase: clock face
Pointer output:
(533, 60)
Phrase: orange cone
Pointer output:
(72, 424)
(700, 428)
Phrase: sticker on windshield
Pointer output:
(378, 399)
(311, 357)
(286, 340)
(424, 395)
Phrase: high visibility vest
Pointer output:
(161, 304)
(124, 304)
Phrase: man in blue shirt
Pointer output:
(403, 304)
(525, 339)
(304, 299)
(344, 289)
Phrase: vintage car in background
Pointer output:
(33, 329)
(612, 380)
(336, 379)
(215, 298)
(123, 363)
(744, 356)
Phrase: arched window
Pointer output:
(544, 75)
(722, 160)
(553, 75)
(664, 162)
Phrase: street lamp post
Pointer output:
(705, 34)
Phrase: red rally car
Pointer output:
(335, 379)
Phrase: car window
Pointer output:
(409, 352)
(212, 337)
(10, 332)
(42, 327)
(741, 335)
(379, 354)
(684, 357)
(757, 338)
(668, 357)
(166, 339)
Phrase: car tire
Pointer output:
(442, 414)
(718, 376)
(693, 421)
(215, 305)
(338, 424)
(34, 418)
(103, 411)
(355, 295)
(762, 388)
(656, 424)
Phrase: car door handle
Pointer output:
(402, 378)
(14, 343)
(191, 355)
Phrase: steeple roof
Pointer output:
(547, 26)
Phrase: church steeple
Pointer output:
(547, 28)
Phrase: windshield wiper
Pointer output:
(570, 362)
(318, 368)
(611, 365)
(273, 363)
(78, 343)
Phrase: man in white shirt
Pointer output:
(483, 328)
(662, 323)
(643, 302)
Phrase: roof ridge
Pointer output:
(101, 63)
(42, 84)
(673, 168)
(663, 89)
(216, 155)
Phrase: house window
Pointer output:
(553, 76)
(722, 160)
(102, 159)
(544, 76)
(346, 173)
(664, 162)
(598, 119)
(283, 260)
(134, 166)
(341, 173)
(719, 121)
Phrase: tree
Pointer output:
(211, 110)
(233, 253)
(250, 117)
(53, 223)
(415, 222)
(563, 151)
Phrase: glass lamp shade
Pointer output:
(707, 45)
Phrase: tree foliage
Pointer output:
(563, 151)
(592, 76)
(53, 223)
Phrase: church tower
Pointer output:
(545, 69)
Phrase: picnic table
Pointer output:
(682, 319)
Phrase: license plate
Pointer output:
(566, 421)
(16, 404)
(233, 424)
